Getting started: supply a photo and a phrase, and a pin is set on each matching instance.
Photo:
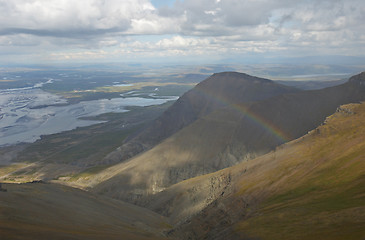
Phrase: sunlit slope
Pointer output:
(50, 211)
(311, 188)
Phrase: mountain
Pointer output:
(221, 139)
(290, 166)
(310, 188)
(217, 91)
(50, 211)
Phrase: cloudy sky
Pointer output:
(44, 31)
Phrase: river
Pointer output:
(27, 113)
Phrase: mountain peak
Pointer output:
(237, 75)
(230, 73)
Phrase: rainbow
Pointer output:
(264, 123)
(245, 111)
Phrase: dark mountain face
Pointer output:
(218, 91)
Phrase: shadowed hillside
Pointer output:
(217, 91)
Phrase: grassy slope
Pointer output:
(310, 188)
(316, 186)
(49, 211)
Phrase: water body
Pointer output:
(27, 113)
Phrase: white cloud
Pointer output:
(190, 27)
(66, 16)
(172, 46)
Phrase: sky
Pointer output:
(47, 31)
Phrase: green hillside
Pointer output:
(317, 187)
(310, 188)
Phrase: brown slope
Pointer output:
(217, 91)
(50, 211)
(222, 139)
(311, 188)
